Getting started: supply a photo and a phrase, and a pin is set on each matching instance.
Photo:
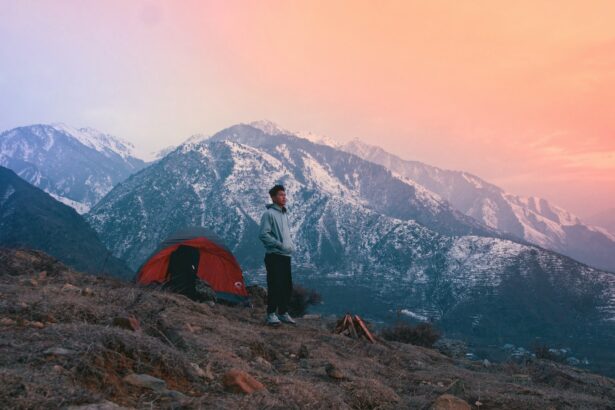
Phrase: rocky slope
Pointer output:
(533, 219)
(76, 166)
(75, 340)
(366, 240)
(31, 218)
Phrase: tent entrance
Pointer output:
(182, 271)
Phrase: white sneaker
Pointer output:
(272, 319)
(286, 318)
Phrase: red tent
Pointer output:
(216, 264)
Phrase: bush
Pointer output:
(542, 351)
(423, 334)
(300, 299)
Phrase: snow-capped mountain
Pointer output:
(369, 241)
(32, 219)
(76, 166)
(533, 219)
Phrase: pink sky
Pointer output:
(519, 93)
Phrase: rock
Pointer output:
(70, 288)
(262, 363)
(105, 405)
(33, 282)
(244, 352)
(450, 402)
(7, 321)
(145, 381)
(333, 372)
(241, 382)
(87, 292)
(486, 363)
(193, 328)
(208, 373)
(127, 322)
(303, 352)
(174, 394)
(197, 369)
(59, 351)
(286, 366)
(37, 325)
(58, 368)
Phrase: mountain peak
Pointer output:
(98, 140)
(269, 127)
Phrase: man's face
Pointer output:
(279, 198)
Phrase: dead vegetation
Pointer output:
(61, 346)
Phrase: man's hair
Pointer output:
(276, 188)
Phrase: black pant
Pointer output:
(279, 282)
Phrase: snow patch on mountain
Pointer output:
(80, 207)
(101, 142)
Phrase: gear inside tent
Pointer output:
(190, 257)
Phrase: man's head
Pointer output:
(278, 195)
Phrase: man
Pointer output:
(275, 235)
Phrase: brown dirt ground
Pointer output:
(39, 313)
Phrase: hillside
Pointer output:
(31, 218)
(59, 347)
(76, 166)
(534, 219)
(385, 242)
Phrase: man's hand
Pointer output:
(287, 248)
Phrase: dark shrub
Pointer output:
(541, 351)
(423, 334)
(300, 299)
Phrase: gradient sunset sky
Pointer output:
(521, 93)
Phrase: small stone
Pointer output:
(33, 282)
(174, 394)
(70, 288)
(7, 321)
(59, 351)
(333, 372)
(127, 322)
(292, 355)
(42, 275)
(241, 382)
(450, 402)
(263, 363)
(58, 368)
(105, 405)
(146, 381)
(197, 369)
(87, 292)
(211, 303)
(192, 328)
(37, 325)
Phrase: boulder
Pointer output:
(145, 381)
(241, 382)
(450, 402)
(127, 322)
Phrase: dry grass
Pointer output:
(177, 333)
